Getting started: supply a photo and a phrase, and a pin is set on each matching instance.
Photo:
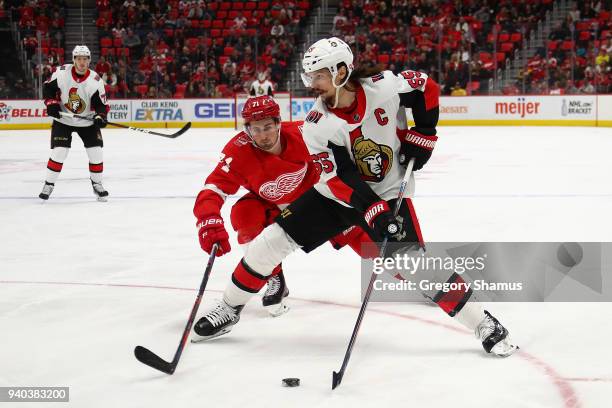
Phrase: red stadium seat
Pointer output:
(506, 47)
(263, 5)
(503, 37)
(250, 5)
(106, 42)
(473, 86)
(221, 15)
(206, 24)
(117, 42)
(226, 5)
(552, 45)
(238, 5)
(142, 90)
(227, 51)
(582, 25)
(217, 24)
(567, 45)
(383, 59)
(304, 5)
(584, 36)
(232, 14)
(516, 37)
(501, 57)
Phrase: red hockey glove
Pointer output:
(380, 218)
(418, 146)
(210, 231)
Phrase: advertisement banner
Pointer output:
(558, 110)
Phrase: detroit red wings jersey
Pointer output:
(75, 93)
(369, 131)
(278, 179)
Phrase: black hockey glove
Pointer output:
(99, 121)
(380, 218)
(53, 108)
(419, 146)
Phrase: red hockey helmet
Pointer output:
(259, 108)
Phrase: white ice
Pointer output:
(83, 282)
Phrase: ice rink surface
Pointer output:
(83, 282)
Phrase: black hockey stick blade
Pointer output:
(336, 379)
(151, 132)
(146, 356)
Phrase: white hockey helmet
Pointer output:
(327, 53)
(81, 51)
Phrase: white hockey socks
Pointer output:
(55, 163)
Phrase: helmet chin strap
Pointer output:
(334, 75)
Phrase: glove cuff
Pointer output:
(375, 210)
(210, 221)
(420, 140)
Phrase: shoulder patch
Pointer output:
(63, 68)
(377, 77)
(314, 116)
(97, 77)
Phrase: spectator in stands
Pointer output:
(277, 29)
(457, 90)
(4, 89)
(132, 41)
(102, 66)
(602, 57)
(240, 22)
(110, 79)
(587, 87)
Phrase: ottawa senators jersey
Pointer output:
(278, 179)
(261, 88)
(368, 134)
(82, 95)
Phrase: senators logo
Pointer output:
(75, 104)
(373, 160)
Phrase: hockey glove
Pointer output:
(417, 145)
(53, 108)
(99, 121)
(210, 231)
(380, 218)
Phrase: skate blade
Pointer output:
(277, 310)
(201, 339)
(506, 352)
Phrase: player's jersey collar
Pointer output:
(77, 77)
(356, 111)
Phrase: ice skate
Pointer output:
(46, 191)
(274, 298)
(99, 191)
(216, 322)
(494, 337)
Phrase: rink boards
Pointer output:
(517, 110)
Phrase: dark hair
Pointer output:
(363, 71)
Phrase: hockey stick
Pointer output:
(171, 136)
(151, 359)
(337, 376)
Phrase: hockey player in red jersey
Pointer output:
(270, 160)
(357, 130)
(75, 89)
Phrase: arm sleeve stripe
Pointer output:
(340, 189)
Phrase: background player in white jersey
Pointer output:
(357, 131)
(75, 89)
(262, 86)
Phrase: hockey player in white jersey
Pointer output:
(75, 89)
(262, 86)
(357, 132)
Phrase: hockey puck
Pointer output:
(291, 382)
